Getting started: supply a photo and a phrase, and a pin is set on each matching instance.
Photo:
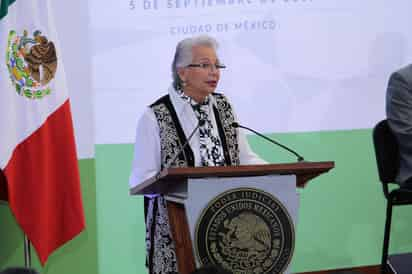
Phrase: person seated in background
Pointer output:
(399, 115)
(19, 270)
(211, 269)
(190, 126)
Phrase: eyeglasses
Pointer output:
(207, 66)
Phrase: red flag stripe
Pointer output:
(43, 184)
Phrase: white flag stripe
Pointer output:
(15, 125)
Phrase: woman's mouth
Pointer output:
(211, 83)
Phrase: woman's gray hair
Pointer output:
(183, 55)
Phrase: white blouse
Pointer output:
(147, 160)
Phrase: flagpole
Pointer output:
(27, 252)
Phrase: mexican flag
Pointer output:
(38, 158)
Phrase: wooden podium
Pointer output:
(178, 184)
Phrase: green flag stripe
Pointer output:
(4, 7)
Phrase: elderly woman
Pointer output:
(190, 113)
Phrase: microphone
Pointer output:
(182, 148)
(300, 158)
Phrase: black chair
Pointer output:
(387, 158)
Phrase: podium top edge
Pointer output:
(298, 168)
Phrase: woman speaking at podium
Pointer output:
(190, 126)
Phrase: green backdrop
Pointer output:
(340, 224)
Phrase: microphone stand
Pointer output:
(299, 157)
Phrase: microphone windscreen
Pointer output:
(235, 125)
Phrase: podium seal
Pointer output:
(245, 230)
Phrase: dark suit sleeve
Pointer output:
(399, 113)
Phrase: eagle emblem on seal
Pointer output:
(247, 231)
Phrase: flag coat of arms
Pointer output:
(37, 148)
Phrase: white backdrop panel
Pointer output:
(301, 65)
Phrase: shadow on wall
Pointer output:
(11, 238)
(19, 270)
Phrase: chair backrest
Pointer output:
(386, 152)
